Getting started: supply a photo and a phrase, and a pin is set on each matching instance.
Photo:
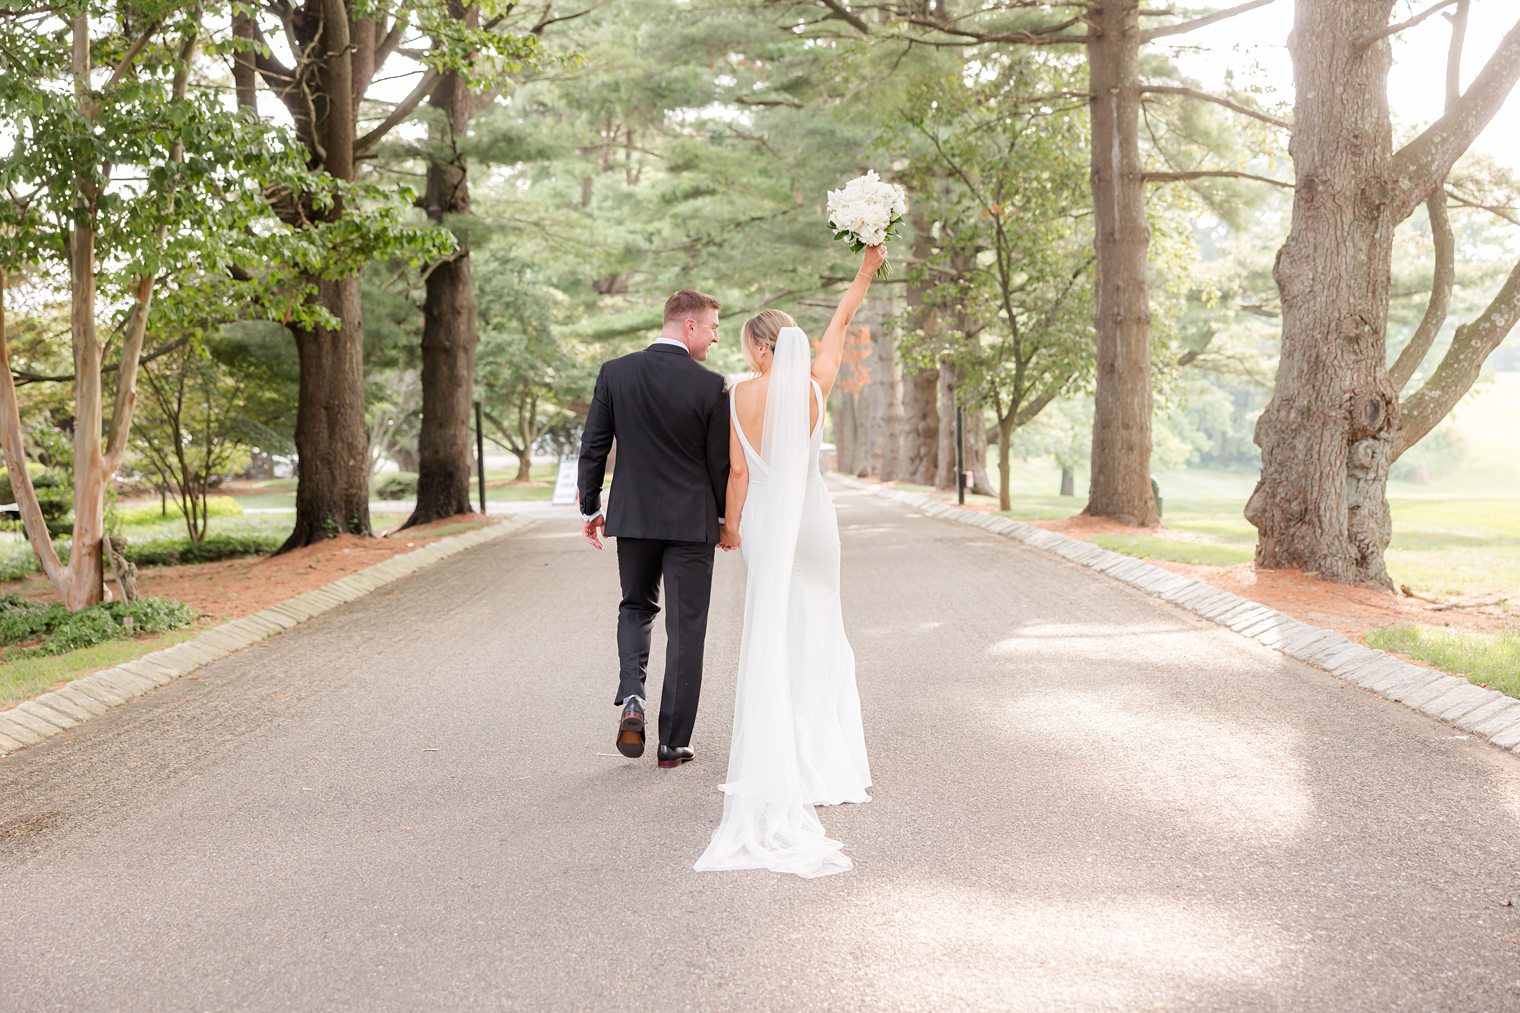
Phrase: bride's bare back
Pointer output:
(749, 405)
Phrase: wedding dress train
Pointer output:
(797, 739)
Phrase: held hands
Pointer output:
(591, 530)
(875, 256)
(728, 539)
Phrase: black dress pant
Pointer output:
(687, 569)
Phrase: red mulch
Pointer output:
(1352, 611)
(234, 588)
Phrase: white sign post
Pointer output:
(564, 483)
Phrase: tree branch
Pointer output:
(1421, 165)
(403, 109)
(125, 63)
(1183, 27)
(1460, 366)
(13, 443)
(842, 13)
(546, 20)
(1203, 96)
(1444, 276)
(1444, 279)
(1509, 214)
(1183, 177)
(22, 378)
(1368, 39)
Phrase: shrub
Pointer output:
(24, 619)
(64, 631)
(55, 496)
(178, 551)
(400, 485)
(8, 494)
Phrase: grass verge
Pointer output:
(26, 678)
(1491, 659)
(1174, 550)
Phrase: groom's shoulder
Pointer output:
(622, 365)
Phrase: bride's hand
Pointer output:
(874, 258)
(729, 539)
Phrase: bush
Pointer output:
(55, 496)
(165, 544)
(8, 494)
(178, 551)
(400, 485)
(152, 513)
(22, 620)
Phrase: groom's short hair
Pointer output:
(686, 302)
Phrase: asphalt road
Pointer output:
(1084, 799)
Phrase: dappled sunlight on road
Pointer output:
(1125, 952)
(1077, 639)
(1237, 781)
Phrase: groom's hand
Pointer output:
(592, 530)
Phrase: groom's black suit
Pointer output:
(669, 416)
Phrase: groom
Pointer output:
(669, 416)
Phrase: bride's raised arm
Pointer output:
(831, 351)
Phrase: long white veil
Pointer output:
(768, 818)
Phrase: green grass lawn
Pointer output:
(1440, 547)
(517, 493)
(1175, 550)
(25, 678)
(280, 493)
(1492, 659)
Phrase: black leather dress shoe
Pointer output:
(630, 736)
(674, 756)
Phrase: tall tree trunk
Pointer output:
(1068, 482)
(332, 443)
(449, 332)
(976, 451)
(1332, 427)
(846, 441)
(921, 426)
(1326, 436)
(525, 467)
(883, 397)
(975, 435)
(944, 470)
(920, 393)
(1120, 486)
(1005, 463)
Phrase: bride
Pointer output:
(797, 738)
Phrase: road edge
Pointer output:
(65, 708)
(1484, 713)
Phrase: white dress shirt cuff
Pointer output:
(592, 517)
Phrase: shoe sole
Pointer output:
(630, 738)
(668, 764)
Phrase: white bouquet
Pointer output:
(866, 211)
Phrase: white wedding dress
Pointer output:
(797, 739)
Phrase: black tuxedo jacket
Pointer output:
(669, 415)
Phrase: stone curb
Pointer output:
(34, 721)
(1485, 713)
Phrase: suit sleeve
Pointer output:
(596, 444)
(717, 448)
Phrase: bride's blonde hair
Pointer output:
(761, 331)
